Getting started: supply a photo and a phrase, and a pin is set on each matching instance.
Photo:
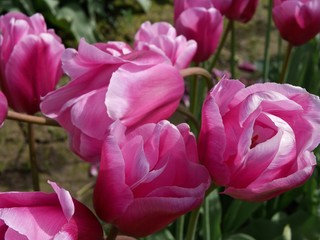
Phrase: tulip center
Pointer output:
(261, 133)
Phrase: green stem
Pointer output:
(85, 189)
(192, 226)
(32, 158)
(113, 233)
(200, 72)
(31, 119)
(267, 44)
(279, 50)
(285, 64)
(193, 93)
(183, 110)
(180, 228)
(233, 50)
(206, 220)
(221, 45)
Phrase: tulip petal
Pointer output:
(3, 108)
(268, 190)
(212, 142)
(94, 121)
(36, 217)
(147, 215)
(65, 200)
(111, 184)
(144, 95)
(29, 83)
(12, 234)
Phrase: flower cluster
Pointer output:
(255, 142)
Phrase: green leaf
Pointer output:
(80, 24)
(145, 4)
(238, 213)
(165, 234)
(264, 229)
(215, 214)
(240, 236)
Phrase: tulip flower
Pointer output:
(148, 177)
(182, 5)
(106, 85)
(30, 59)
(161, 37)
(3, 108)
(38, 215)
(239, 10)
(204, 25)
(257, 141)
(221, 5)
(298, 21)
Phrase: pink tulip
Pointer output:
(161, 37)
(3, 108)
(30, 59)
(41, 216)
(204, 25)
(222, 5)
(182, 5)
(240, 10)
(257, 141)
(135, 87)
(298, 21)
(148, 177)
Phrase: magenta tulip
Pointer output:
(221, 5)
(239, 10)
(42, 216)
(107, 84)
(3, 108)
(161, 37)
(30, 60)
(182, 5)
(298, 21)
(257, 141)
(148, 177)
(204, 25)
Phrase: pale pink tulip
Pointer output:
(298, 21)
(257, 141)
(107, 84)
(161, 37)
(148, 177)
(204, 25)
(30, 60)
(3, 108)
(42, 216)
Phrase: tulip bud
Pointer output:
(161, 37)
(257, 141)
(30, 59)
(204, 25)
(148, 177)
(240, 10)
(298, 21)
